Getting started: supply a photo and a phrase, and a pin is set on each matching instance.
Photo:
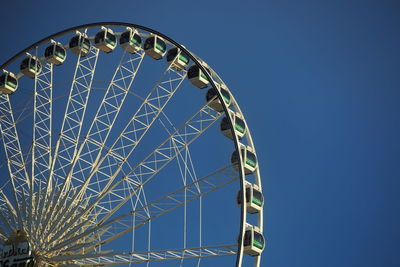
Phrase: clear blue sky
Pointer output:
(318, 82)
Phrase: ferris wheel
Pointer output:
(114, 154)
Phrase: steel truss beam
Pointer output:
(90, 150)
(153, 163)
(106, 259)
(111, 164)
(76, 107)
(66, 145)
(125, 223)
(41, 151)
(18, 176)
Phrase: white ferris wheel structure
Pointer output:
(112, 154)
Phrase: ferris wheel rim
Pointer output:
(201, 65)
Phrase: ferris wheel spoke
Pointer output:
(71, 125)
(185, 165)
(41, 151)
(106, 259)
(160, 157)
(4, 229)
(171, 202)
(143, 119)
(8, 222)
(18, 176)
(7, 225)
(76, 215)
(4, 201)
(81, 225)
(99, 130)
(125, 223)
(36, 212)
(187, 170)
(156, 160)
(133, 132)
(90, 150)
(75, 111)
(3, 238)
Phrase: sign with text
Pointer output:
(17, 254)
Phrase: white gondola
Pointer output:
(105, 40)
(79, 44)
(55, 53)
(155, 47)
(253, 241)
(30, 66)
(215, 102)
(8, 83)
(254, 198)
(197, 77)
(130, 41)
(249, 159)
(239, 126)
(178, 58)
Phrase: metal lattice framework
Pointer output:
(105, 160)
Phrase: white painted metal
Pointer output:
(66, 146)
(157, 159)
(110, 165)
(107, 259)
(70, 204)
(41, 151)
(100, 128)
(16, 164)
(157, 208)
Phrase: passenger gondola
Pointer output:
(130, 41)
(239, 126)
(253, 241)
(55, 53)
(179, 58)
(215, 102)
(30, 66)
(155, 47)
(8, 83)
(197, 77)
(254, 198)
(79, 44)
(248, 157)
(105, 40)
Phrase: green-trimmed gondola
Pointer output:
(8, 83)
(215, 103)
(130, 41)
(239, 126)
(30, 66)
(197, 77)
(249, 159)
(178, 58)
(254, 198)
(79, 44)
(254, 241)
(105, 40)
(155, 47)
(55, 53)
